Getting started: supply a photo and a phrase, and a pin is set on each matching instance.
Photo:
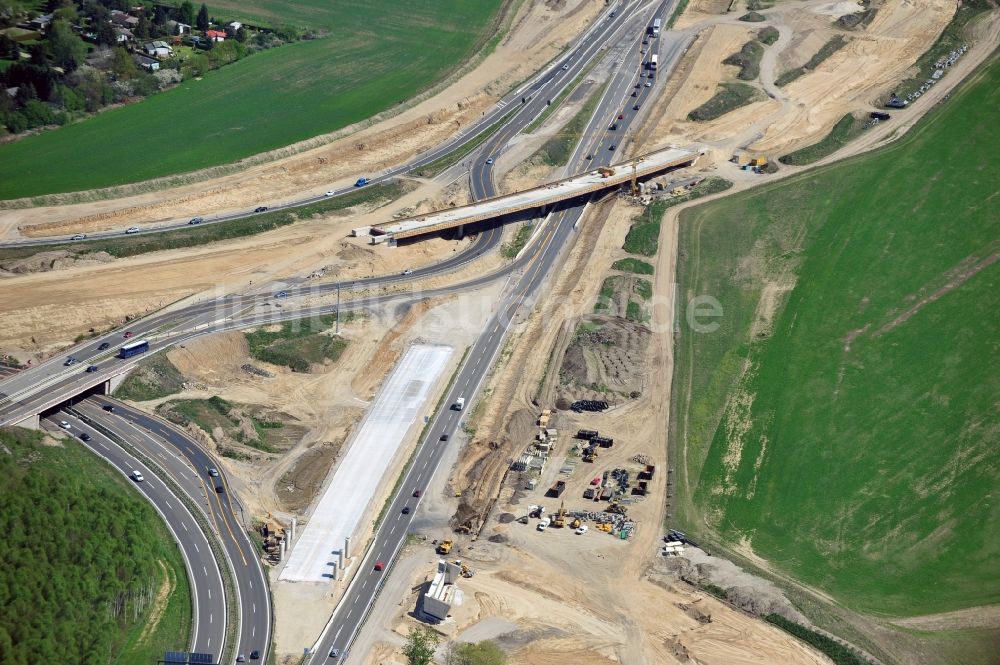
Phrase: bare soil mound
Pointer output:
(606, 359)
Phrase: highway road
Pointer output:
(188, 463)
(548, 82)
(556, 235)
(207, 591)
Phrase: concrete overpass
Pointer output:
(537, 197)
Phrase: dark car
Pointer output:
(128, 334)
(254, 655)
(406, 510)
(220, 488)
(621, 116)
(70, 361)
(110, 408)
(84, 436)
(590, 156)
(104, 346)
(635, 93)
(635, 108)
(260, 209)
(197, 220)
(613, 126)
(612, 148)
(418, 493)
(92, 369)
(334, 653)
(380, 566)
(444, 437)
(281, 294)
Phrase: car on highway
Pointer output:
(104, 346)
(92, 369)
(590, 156)
(565, 67)
(128, 334)
(380, 566)
(621, 116)
(70, 361)
(611, 147)
(260, 209)
(254, 655)
(137, 476)
(281, 294)
(197, 220)
(444, 437)
(241, 658)
(64, 424)
(408, 271)
(418, 493)
(334, 653)
(489, 161)
(638, 85)
(648, 84)
(330, 193)
(110, 408)
(636, 107)
(84, 436)
(212, 471)
(79, 236)
(361, 182)
(635, 93)
(220, 488)
(406, 510)
(132, 229)
(613, 126)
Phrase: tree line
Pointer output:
(79, 566)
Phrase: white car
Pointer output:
(137, 476)
(408, 271)
(330, 193)
(565, 67)
(79, 236)
(132, 229)
(64, 424)
(582, 530)
(543, 525)
(648, 84)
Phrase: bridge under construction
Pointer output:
(548, 194)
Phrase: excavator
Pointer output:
(559, 521)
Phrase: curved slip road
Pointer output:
(207, 592)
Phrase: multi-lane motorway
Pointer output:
(50, 383)
(188, 464)
(555, 236)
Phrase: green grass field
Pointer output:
(850, 438)
(80, 541)
(267, 101)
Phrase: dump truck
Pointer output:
(557, 489)
(444, 547)
(586, 434)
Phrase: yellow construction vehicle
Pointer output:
(605, 527)
(575, 524)
(559, 520)
(444, 547)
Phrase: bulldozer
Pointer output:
(605, 527)
(575, 524)
(444, 547)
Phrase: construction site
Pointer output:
(544, 527)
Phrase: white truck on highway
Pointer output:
(459, 404)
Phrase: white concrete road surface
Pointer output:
(352, 489)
